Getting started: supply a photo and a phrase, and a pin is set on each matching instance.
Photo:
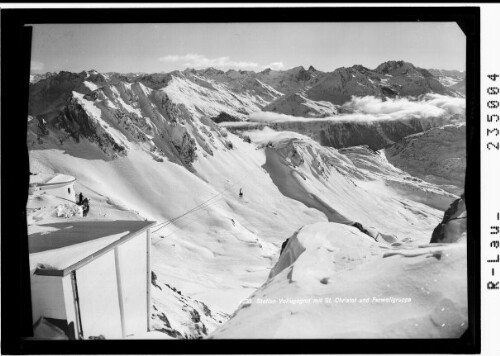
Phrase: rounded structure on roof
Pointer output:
(59, 185)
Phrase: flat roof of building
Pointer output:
(50, 179)
(59, 248)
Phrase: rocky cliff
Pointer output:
(453, 227)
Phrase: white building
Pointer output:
(92, 278)
(59, 185)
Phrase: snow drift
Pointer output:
(332, 281)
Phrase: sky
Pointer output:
(248, 46)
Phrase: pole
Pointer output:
(148, 278)
(76, 301)
(119, 287)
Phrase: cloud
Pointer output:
(276, 65)
(200, 61)
(370, 108)
(35, 65)
(426, 106)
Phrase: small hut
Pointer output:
(59, 185)
(91, 279)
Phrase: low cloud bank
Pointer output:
(199, 61)
(428, 105)
(36, 66)
(370, 108)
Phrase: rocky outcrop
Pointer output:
(453, 228)
(49, 94)
(224, 117)
(77, 122)
(186, 147)
(180, 316)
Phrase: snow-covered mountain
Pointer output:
(319, 94)
(427, 155)
(34, 78)
(452, 79)
(304, 147)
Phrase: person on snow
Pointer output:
(241, 193)
(80, 199)
(86, 206)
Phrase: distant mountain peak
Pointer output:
(312, 69)
(212, 70)
(390, 66)
(297, 69)
(360, 68)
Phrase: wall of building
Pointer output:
(65, 191)
(47, 297)
(98, 296)
(132, 260)
(69, 303)
(112, 293)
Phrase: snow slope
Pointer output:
(207, 97)
(332, 281)
(322, 177)
(452, 79)
(437, 155)
(232, 258)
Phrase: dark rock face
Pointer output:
(224, 117)
(453, 227)
(76, 121)
(195, 316)
(375, 136)
(283, 245)
(153, 81)
(341, 85)
(48, 94)
(186, 149)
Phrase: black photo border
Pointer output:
(16, 301)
